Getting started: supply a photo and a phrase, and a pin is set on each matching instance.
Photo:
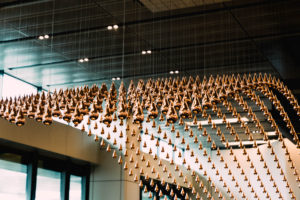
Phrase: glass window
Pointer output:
(48, 184)
(13, 87)
(75, 187)
(11, 169)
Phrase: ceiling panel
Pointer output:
(167, 5)
(232, 35)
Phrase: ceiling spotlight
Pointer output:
(118, 78)
(109, 28)
(46, 36)
(115, 26)
(144, 52)
(86, 59)
(149, 51)
(176, 72)
(41, 37)
(171, 72)
(113, 79)
(81, 60)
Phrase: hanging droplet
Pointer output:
(172, 114)
(20, 119)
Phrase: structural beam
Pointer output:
(187, 69)
(159, 50)
(18, 3)
(31, 178)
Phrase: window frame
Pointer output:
(65, 165)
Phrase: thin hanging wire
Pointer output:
(51, 37)
(152, 58)
(223, 27)
(204, 49)
(19, 28)
(123, 42)
(195, 48)
(139, 47)
(134, 42)
(160, 39)
(86, 46)
(80, 27)
(171, 52)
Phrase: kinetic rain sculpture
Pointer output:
(176, 105)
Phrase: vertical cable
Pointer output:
(51, 37)
(123, 42)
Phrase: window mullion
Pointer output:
(85, 181)
(31, 178)
(65, 185)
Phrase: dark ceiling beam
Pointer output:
(187, 69)
(18, 3)
(225, 42)
(158, 50)
(64, 33)
(113, 56)
(144, 21)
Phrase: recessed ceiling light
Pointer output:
(115, 26)
(171, 72)
(41, 37)
(144, 52)
(118, 78)
(149, 51)
(109, 28)
(81, 60)
(113, 78)
(176, 72)
(46, 36)
(86, 59)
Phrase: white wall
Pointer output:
(57, 138)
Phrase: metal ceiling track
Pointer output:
(180, 47)
(18, 3)
(143, 75)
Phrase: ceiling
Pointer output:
(232, 36)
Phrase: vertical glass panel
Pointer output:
(47, 185)
(75, 187)
(12, 177)
(13, 87)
